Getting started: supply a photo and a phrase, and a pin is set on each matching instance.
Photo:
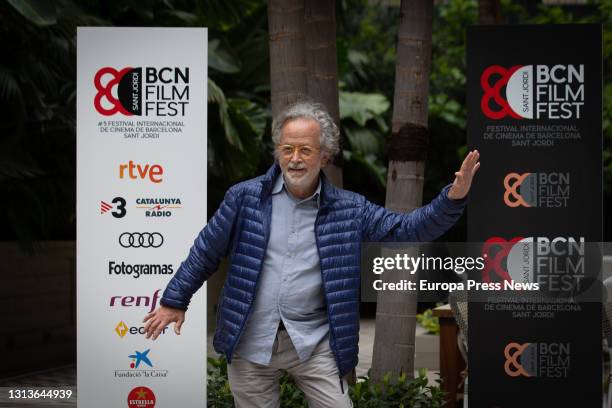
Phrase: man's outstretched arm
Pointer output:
(209, 248)
(428, 222)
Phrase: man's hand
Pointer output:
(463, 178)
(161, 318)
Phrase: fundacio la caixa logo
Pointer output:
(142, 91)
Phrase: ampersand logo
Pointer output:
(118, 91)
(513, 366)
(545, 360)
(493, 104)
(537, 190)
(533, 91)
(495, 251)
(512, 196)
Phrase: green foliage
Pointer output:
(362, 107)
(393, 391)
(429, 322)
(40, 12)
(363, 124)
(37, 133)
(399, 391)
(218, 393)
(366, 65)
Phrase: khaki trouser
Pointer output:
(256, 385)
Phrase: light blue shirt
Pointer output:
(290, 286)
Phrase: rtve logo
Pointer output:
(141, 171)
(533, 91)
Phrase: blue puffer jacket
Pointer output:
(241, 227)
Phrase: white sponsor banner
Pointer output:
(141, 200)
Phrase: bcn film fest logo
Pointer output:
(557, 265)
(533, 92)
(531, 190)
(544, 360)
(142, 91)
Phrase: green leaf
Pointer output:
(362, 107)
(221, 60)
(39, 12)
(216, 95)
(253, 115)
(363, 140)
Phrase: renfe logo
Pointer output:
(137, 91)
(138, 301)
(135, 171)
(533, 92)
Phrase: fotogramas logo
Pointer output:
(532, 190)
(142, 91)
(533, 91)
(138, 270)
(544, 360)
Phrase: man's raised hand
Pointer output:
(463, 178)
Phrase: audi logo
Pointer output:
(141, 239)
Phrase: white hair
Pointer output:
(330, 135)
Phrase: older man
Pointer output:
(291, 298)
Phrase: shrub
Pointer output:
(399, 391)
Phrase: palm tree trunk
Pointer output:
(396, 313)
(489, 12)
(287, 54)
(322, 63)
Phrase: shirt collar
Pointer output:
(279, 185)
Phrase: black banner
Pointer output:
(534, 113)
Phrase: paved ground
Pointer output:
(426, 357)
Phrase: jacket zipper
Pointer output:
(331, 332)
(267, 237)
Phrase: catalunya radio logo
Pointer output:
(533, 92)
(143, 91)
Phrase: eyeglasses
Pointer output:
(305, 151)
